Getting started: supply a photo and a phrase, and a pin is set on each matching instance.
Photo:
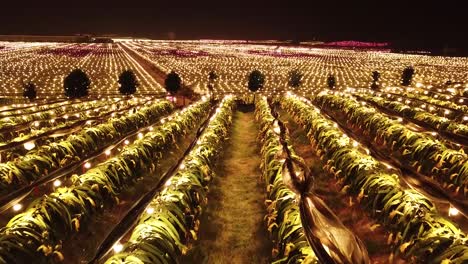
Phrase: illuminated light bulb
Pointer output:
(117, 247)
(36, 124)
(387, 165)
(57, 183)
(400, 119)
(107, 152)
(453, 211)
(465, 118)
(17, 207)
(150, 210)
(277, 129)
(140, 135)
(150, 128)
(168, 182)
(355, 144)
(29, 145)
(87, 165)
(447, 111)
(434, 133)
(182, 166)
(126, 142)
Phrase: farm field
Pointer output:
(339, 166)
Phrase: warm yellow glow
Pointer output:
(29, 145)
(17, 207)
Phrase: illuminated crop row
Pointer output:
(416, 227)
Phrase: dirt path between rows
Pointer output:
(232, 228)
(158, 75)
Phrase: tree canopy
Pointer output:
(173, 82)
(407, 76)
(29, 91)
(256, 80)
(76, 84)
(331, 81)
(375, 79)
(212, 76)
(295, 78)
(128, 82)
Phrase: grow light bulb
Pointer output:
(57, 183)
(117, 247)
(453, 211)
(168, 182)
(277, 129)
(17, 207)
(29, 145)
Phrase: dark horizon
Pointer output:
(432, 26)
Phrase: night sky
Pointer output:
(424, 23)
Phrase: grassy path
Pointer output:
(232, 228)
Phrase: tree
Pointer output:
(375, 79)
(128, 82)
(295, 79)
(375, 76)
(407, 76)
(173, 82)
(76, 84)
(331, 81)
(212, 76)
(29, 91)
(256, 80)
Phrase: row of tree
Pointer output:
(77, 83)
(257, 79)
